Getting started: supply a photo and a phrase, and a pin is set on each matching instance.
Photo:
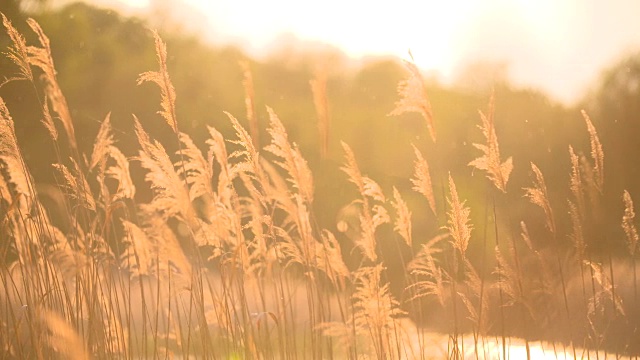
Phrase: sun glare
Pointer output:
(546, 44)
(357, 27)
(137, 4)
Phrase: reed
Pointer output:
(225, 257)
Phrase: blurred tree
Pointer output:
(618, 96)
(615, 109)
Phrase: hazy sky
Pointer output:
(559, 46)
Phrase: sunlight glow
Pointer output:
(546, 44)
(136, 4)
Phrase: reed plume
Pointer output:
(193, 167)
(458, 220)
(577, 233)
(248, 156)
(18, 53)
(421, 179)
(604, 293)
(140, 255)
(120, 172)
(538, 196)
(47, 120)
(413, 97)
(375, 314)
(11, 156)
(218, 152)
(508, 280)
(291, 161)
(170, 198)
(76, 185)
(41, 58)
(596, 153)
(498, 172)
(402, 223)
(628, 225)
(103, 142)
(371, 217)
(161, 78)
(432, 279)
(575, 183)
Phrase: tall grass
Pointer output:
(225, 258)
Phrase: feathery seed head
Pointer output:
(161, 78)
(18, 53)
(458, 219)
(538, 196)
(422, 179)
(597, 154)
(628, 225)
(498, 172)
(413, 97)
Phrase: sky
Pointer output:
(557, 46)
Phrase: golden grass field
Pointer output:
(224, 258)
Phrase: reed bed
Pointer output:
(226, 260)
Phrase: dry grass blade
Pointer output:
(161, 78)
(628, 226)
(596, 153)
(498, 172)
(17, 53)
(458, 220)
(413, 97)
(538, 196)
(422, 179)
